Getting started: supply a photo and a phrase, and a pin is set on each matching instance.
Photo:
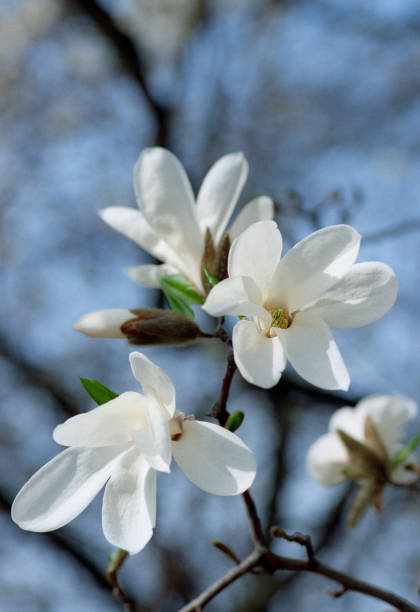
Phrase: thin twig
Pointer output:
(219, 411)
(112, 577)
(299, 538)
(198, 604)
(272, 563)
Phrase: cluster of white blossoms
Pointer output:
(171, 225)
(286, 307)
(329, 461)
(121, 445)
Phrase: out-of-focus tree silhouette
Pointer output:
(324, 101)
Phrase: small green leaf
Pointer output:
(405, 452)
(213, 280)
(180, 293)
(97, 391)
(177, 303)
(235, 420)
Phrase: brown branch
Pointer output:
(395, 230)
(112, 577)
(198, 604)
(219, 411)
(270, 562)
(299, 538)
(38, 378)
(130, 59)
(62, 543)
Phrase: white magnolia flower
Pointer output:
(171, 224)
(295, 300)
(121, 444)
(328, 458)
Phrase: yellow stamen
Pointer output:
(280, 318)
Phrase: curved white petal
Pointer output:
(260, 360)
(238, 295)
(214, 459)
(314, 354)
(219, 193)
(145, 443)
(403, 476)
(104, 323)
(165, 197)
(258, 209)
(361, 297)
(149, 275)
(133, 225)
(106, 425)
(314, 265)
(389, 414)
(326, 459)
(256, 253)
(154, 381)
(155, 441)
(349, 420)
(63, 487)
(129, 506)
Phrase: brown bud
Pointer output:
(369, 494)
(208, 260)
(162, 327)
(363, 461)
(374, 440)
(221, 264)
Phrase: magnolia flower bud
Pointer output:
(140, 326)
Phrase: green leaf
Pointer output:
(180, 293)
(97, 391)
(405, 451)
(235, 420)
(213, 280)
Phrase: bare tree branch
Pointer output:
(395, 230)
(270, 562)
(130, 59)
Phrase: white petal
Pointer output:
(154, 381)
(326, 459)
(363, 296)
(146, 444)
(260, 360)
(214, 459)
(133, 225)
(259, 209)
(389, 414)
(219, 193)
(314, 265)
(149, 275)
(403, 476)
(256, 253)
(106, 425)
(104, 323)
(129, 506)
(314, 354)
(238, 295)
(351, 421)
(165, 197)
(63, 487)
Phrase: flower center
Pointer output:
(175, 427)
(280, 318)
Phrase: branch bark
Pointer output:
(130, 59)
